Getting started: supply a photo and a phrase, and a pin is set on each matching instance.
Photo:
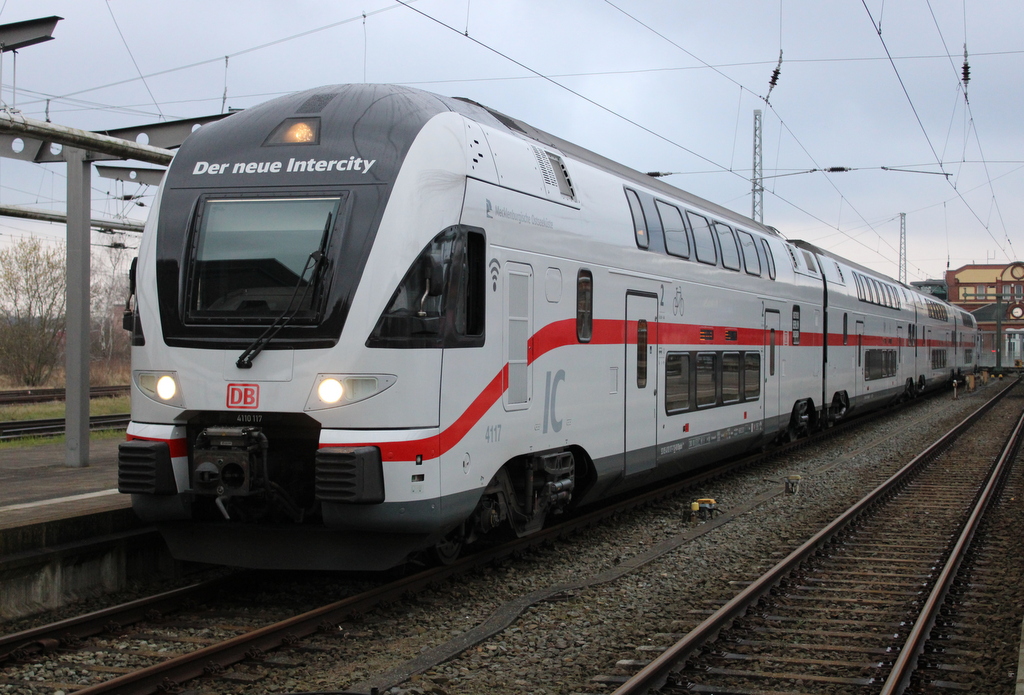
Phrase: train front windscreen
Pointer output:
(254, 260)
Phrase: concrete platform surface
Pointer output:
(36, 486)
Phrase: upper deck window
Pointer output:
(702, 238)
(751, 261)
(730, 252)
(255, 259)
(769, 258)
(676, 241)
(639, 221)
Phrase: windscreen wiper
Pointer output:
(244, 360)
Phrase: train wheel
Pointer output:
(840, 404)
(447, 550)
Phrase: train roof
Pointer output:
(387, 118)
(584, 155)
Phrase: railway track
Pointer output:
(19, 429)
(228, 641)
(851, 609)
(45, 395)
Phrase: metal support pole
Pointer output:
(756, 177)
(77, 306)
(903, 248)
(999, 328)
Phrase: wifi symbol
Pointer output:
(495, 269)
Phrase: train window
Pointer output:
(751, 261)
(730, 252)
(771, 353)
(641, 354)
(441, 300)
(703, 242)
(677, 382)
(639, 221)
(253, 260)
(839, 271)
(879, 364)
(707, 379)
(796, 325)
(860, 342)
(846, 329)
(860, 287)
(468, 286)
(584, 306)
(751, 376)
(730, 377)
(676, 241)
(769, 258)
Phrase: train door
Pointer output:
(899, 346)
(641, 416)
(772, 368)
(858, 365)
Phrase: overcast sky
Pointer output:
(659, 85)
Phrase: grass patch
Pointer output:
(26, 442)
(54, 409)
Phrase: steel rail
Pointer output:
(211, 659)
(904, 667)
(656, 674)
(43, 395)
(21, 645)
(19, 429)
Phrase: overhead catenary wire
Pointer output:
(132, 56)
(782, 122)
(465, 30)
(924, 131)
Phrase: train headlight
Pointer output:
(162, 387)
(296, 131)
(330, 390)
(166, 387)
(334, 390)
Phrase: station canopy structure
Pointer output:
(43, 142)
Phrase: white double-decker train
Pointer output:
(370, 322)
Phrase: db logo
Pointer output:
(244, 396)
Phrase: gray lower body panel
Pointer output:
(352, 537)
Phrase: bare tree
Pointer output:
(32, 310)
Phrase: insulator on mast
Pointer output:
(775, 77)
(966, 72)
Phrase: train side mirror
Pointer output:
(131, 276)
(433, 283)
(435, 277)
